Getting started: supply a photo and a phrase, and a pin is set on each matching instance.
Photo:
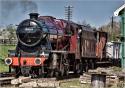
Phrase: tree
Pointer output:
(113, 32)
(86, 26)
(12, 33)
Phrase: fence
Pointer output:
(8, 41)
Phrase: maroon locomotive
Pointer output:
(54, 47)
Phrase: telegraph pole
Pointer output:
(112, 26)
(68, 12)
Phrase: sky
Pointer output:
(93, 12)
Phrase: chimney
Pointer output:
(33, 16)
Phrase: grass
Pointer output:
(74, 84)
(3, 54)
(3, 67)
(116, 69)
(4, 50)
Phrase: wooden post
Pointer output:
(98, 80)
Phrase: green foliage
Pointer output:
(3, 54)
(12, 32)
(4, 50)
(3, 67)
(113, 32)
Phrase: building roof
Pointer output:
(117, 12)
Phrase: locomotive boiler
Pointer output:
(53, 47)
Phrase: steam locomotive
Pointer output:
(54, 47)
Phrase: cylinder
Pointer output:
(98, 81)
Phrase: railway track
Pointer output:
(6, 74)
(49, 82)
(71, 76)
(5, 78)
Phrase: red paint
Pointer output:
(73, 43)
(30, 61)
